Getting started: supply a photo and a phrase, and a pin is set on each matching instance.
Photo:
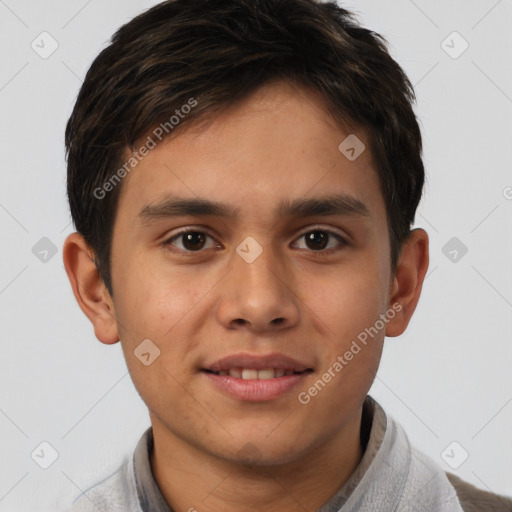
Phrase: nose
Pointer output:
(259, 294)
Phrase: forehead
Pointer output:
(257, 157)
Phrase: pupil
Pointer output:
(315, 237)
(193, 239)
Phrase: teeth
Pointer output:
(249, 374)
(266, 374)
(252, 374)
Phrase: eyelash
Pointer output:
(168, 242)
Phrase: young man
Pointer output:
(243, 176)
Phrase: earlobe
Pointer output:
(89, 289)
(408, 280)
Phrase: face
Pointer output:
(297, 285)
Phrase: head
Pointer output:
(274, 131)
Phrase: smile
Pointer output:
(253, 374)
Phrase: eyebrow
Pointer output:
(175, 206)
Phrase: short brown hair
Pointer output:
(217, 52)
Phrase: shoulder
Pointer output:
(470, 497)
(117, 493)
(474, 499)
(426, 482)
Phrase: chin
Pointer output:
(262, 451)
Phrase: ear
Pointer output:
(408, 280)
(89, 289)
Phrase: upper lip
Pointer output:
(257, 362)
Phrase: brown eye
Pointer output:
(317, 240)
(188, 241)
(193, 241)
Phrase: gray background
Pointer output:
(447, 379)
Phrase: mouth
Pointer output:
(256, 378)
(255, 374)
(243, 365)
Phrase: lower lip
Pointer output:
(256, 390)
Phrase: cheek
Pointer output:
(156, 297)
(347, 299)
(350, 305)
(166, 306)
(156, 309)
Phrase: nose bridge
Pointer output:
(258, 293)
(258, 261)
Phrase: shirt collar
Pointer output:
(150, 496)
(373, 429)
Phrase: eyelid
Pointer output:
(327, 229)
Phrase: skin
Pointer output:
(277, 144)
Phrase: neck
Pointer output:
(191, 479)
